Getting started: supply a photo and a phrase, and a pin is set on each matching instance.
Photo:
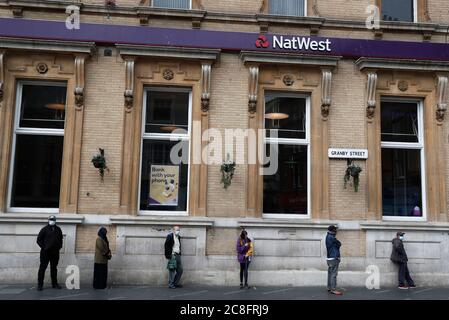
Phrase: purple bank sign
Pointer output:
(107, 34)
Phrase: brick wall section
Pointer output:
(347, 9)
(103, 123)
(228, 109)
(87, 235)
(347, 130)
(221, 241)
(247, 6)
(353, 243)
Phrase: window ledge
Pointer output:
(288, 58)
(185, 13)
(308, 21)
(416, 65)
(168, 52)
(284, 223)
(405, 225)
(61, 218)
(162, 220)
(47, 45)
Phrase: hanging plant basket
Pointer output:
(352, 173)
(99, 162)
(227, 172)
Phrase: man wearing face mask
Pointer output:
(173, 251)
(399, 257)
(50, 242)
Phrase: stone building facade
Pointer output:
(383, 90)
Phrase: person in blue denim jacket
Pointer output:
(333, 259)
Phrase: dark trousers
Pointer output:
(53, 259)
(244, 271)
(174, 276)
(404, 275)
(100, 275)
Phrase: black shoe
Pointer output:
(172, 287)
(241, 286)
(56, 286)
(40, 288)
(178, 285)
(247, 286)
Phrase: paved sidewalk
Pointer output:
(195, 292)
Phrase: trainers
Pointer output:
(56, 286)
(241, 286)
(412, 286)
(336, 292)
(172, 287)
(178, 285)
(403, 287)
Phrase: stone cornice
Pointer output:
(47, 45)
(287, 58)
(162, 220)
(40, 218)
(410, 65)
(404, 226)
(168, 52)
(283, 223)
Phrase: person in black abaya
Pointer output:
(102, 255)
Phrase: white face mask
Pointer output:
(401, 237)
(177, 232)
(51, 222)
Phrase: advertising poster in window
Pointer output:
(164, 182)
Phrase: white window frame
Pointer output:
(28, 131)
(305, 10)
(189, 8)
(166, 137)
(292, 141)
(420, 145)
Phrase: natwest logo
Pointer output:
(262, 42)
(301, 43)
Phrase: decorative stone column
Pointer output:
(442, 93)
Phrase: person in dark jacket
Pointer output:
(399, 257)
(102, 255)
(49, 240)
(173, 250)
(333, 259)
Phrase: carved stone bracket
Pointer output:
(205, 86)
(79, 87)
(371, 94)
(442, 96)
(129, 85)
(2, 75)
(253, 87)
(326, 99)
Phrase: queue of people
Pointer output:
(50, 240)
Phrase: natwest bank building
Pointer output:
(356, 116)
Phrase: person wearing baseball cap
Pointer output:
(399, 257)
(50, 242)
(333, 259)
